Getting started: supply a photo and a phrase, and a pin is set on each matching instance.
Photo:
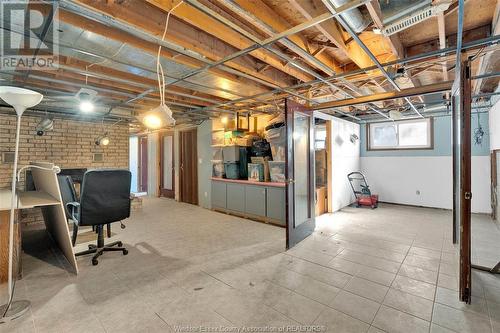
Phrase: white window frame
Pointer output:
(430, 135)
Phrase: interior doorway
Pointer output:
(143, 164)
(188, 170)
(321, 165)
(167, 180)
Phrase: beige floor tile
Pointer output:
(367, 289)
(316, 290)
(355, 306)
(414, 287)
(345, 266)
(376, 275)
(310, 255)
(450, 298)
(335, 321)
(418, 273)
(391, 320)
(419, 251)
(447, 281)
(430, 264)
(299, 308)
(411, 304)
(439, 329)
(460, 321)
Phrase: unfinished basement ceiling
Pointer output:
(213, 66)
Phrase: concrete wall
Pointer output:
(424, 177)
(344, 157)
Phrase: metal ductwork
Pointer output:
(353, 17)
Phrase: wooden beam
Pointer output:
(486, 61)
(268, 16)
(189, 39)
(376, 15)
(219, 30)
(422, 90)
(114, 73)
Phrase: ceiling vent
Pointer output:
(415, 18)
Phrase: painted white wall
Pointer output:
(494, 129)
(204, 141)
(133, 162)
(153, 142)
(345, 158)
(398, 178)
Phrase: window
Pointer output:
(319, 137)
(406, 134)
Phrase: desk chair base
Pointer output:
(100, 248)
(16, 310)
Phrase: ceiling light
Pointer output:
(224, 120)
(86, 106)
(156, 118)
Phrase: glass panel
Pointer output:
(383, 135)
(167, 162)
(301, 166)
(413, 134)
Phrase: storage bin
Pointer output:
(277, 139)
(218, 138)
(217, 154)
(277, 171)
(218, 169)
(256, 172)
(232, 170)
(231, 154)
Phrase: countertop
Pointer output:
(249, 182)
(28, 199)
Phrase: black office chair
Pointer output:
(104, 198)
(68, 194)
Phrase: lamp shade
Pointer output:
(20, 98)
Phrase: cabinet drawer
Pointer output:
(235, 197)
(218, 194)
(255, 201)
(276, 204)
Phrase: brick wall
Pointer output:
(69, 145)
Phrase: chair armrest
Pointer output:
(74, 207)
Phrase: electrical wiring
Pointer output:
(159, 68)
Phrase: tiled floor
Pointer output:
(392, 269)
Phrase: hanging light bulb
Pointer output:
(156, 118)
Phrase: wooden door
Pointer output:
(188, 170)
(167, 183)
(462, 175)
(299, 173)
(143, 164)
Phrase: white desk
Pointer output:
(48, 198)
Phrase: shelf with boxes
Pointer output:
(256, 154)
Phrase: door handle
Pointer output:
(468, 195)
(290, 181)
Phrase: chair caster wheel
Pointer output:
(94, 262)
(125, 252)
(120, 244)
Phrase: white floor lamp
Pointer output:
(20, 99)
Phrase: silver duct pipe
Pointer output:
(353, 17)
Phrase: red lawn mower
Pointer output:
(361, 190)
